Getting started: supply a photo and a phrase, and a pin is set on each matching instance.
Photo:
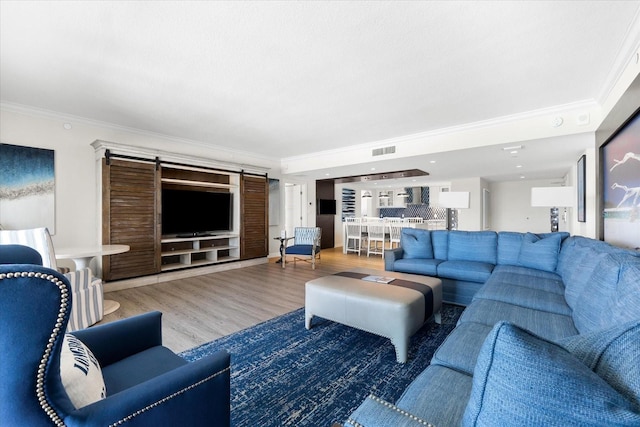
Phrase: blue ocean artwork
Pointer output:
(25, 171)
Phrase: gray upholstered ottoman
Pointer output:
(395, 310)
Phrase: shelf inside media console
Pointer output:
(192, 251)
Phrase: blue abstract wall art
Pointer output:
(27, 187)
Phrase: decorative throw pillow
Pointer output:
(416, 243)
(521, 379)
(80, 373)
(541, 254)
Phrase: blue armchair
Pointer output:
(146, 383)
(306, 245)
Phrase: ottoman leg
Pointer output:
(438, 318)
(307, 320)
(402, 348)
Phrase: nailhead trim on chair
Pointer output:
(64, 291)
(165, 399)
(395, 408)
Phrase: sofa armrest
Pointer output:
(390, 256)
(117, 340)
(196, 394)
(377, 412)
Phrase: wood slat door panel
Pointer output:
(130, 217)
(254, 217)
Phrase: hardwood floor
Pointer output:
(199, 309)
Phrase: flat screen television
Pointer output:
(196, 213)
(326, 207)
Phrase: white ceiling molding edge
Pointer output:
(53, 115)
(531, 125)
(625, 59)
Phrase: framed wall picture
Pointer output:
(582, 195)
(27, 187)
(620, 157)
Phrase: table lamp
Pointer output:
(553, 198)
(454, 200)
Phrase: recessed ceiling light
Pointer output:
(518, 166)
(432, 161)
(67, 126)
(326, 174)
(521, 176)
(373, 169)
(513, 152)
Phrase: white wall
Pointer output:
(77, 176)
(511, 208)
(470, 219)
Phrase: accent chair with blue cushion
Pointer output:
(19, 254)
(140, 382)
(306, 245)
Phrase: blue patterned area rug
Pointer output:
(285, 375)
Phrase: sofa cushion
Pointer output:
(541, 254)
(521, 379)
(452, 386)
(460, 349)
(611, 295)
(528, 278)
(551, 326)
(416, 243)
(524, 297)
(428, 267)
(509, 243)
(479, 246)
(139, 368)
(440, 242)
(579, 258)
(472, 271)
(613, 354)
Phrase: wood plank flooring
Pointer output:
(200, 309)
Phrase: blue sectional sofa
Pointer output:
(551, 335)
(464, 260)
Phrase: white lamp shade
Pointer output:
(454, 199)
(553, 197)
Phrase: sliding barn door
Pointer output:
(130, 217)
(254, 216)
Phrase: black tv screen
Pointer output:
(193, 213)
(326, 207)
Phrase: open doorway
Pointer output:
(294, 202)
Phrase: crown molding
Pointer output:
(625, 58)
(54, 115)
(585, 105)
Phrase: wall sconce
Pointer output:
(553, 198)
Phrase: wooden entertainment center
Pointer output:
(132, 188)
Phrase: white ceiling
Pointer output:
(281, 79)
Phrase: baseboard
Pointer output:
(154, 279)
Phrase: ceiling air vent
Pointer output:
(383, 151)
